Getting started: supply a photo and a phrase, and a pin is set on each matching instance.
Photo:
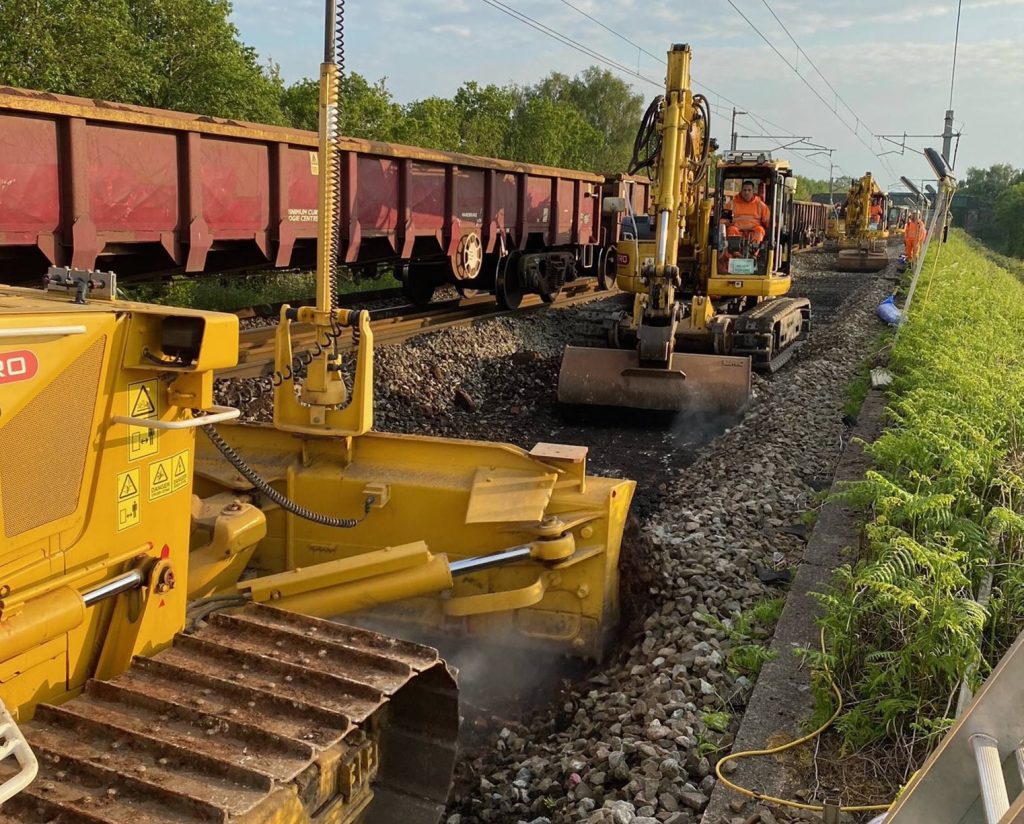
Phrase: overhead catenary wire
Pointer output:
(760, 121)
(522, 17)
(858, 122)
(956, 43)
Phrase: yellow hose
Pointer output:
(783, 802)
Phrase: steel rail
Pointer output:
(396, 324)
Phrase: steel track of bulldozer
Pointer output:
(260, 716)
(771, 332)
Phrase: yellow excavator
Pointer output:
(165, 653)
(709, 283)
(862, 246)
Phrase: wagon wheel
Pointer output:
(605, 268)
(507, 288)
(418, 285)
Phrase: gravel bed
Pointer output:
(628, 742)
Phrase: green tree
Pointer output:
(432, 123)
(485, 117)
(807, 186)
(300, 104)
(200, 64)
(175, 54)
(989, 183)
(607, 104)
(368, 110)
(1008, 216)
(552, 133)
(79, 47)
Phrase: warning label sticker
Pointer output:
(179, 471)
(168, 475)
(143, 403)
(129, 511)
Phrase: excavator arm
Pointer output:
(673, 146)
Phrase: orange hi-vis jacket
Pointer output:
(748, 216)
(914, 233)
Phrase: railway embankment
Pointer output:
(926, 534)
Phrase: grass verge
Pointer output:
(945, 499)
(228, 293)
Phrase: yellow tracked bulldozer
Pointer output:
(862, 245)
(708, 271)
(164, 649)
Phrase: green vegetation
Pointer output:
(748, 634)
(996, 196)
(187, 55)
(175, 54)
(717, 721)
(857, 391)
(945, 508)
(230, 292)
(807, 186)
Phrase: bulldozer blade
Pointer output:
(861, 260)
(715, 384)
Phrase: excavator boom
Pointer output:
(673, 146)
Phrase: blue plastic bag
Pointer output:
(889, 312)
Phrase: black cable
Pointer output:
(247, 472)
(814, 91)
(647, 144)
(565, 40)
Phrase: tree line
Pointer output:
(996, 197)
(186, 55)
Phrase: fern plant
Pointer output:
(945, 506)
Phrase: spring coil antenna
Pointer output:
(335, 53)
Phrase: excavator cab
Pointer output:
(751, 238)
(862, 248)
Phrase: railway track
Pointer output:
(394, 324)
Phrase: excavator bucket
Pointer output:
(706, 384)
(862, 260)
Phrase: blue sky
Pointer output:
(889, 63)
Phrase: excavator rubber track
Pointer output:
(260, 716)
(771, 332)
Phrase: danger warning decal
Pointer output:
(142, 403)
(168, 475)
(18, 366)
(128, 512)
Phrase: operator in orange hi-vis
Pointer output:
(913, 237)
(876, 214)
(749, 214)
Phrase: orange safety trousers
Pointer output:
(748, 217)
(913, 237)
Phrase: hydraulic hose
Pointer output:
(647, 145)
(288, 505)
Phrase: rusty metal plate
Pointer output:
(704, 384)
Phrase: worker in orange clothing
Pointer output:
(876, 214)
(749, 214)
(913, 237)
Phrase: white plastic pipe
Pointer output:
(41, 331)
(990, 776)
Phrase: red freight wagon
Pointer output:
(97, 185)
(809, 222)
